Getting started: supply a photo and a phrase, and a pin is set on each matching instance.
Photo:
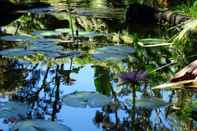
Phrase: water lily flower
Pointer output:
(134, 76)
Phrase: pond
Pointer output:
(74, 66)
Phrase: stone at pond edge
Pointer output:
(84, 99)
(39, 125)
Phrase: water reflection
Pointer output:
(43, 85)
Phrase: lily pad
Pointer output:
(91, 34)
(16, 52)
(39, 125)
(45, 47)
(8, 109)
(84, 34)
(147, 102)
(112, 53)
(64, 30)
(84, 99)
(16, 38)
(45, 40)
(47, 34)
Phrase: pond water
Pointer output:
(50, 72)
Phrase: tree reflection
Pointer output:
(102, 80)
(41, 89)
(9, 71)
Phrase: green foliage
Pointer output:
(193, 10)
(102, 80)
(184, 43)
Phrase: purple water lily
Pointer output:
(134, 76)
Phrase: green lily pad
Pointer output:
(8, 109)
(84, 99)
(39, 125)
(45, 40)
(84, 34)
(45, 47)
(147, 102)
(47, 34)
(91, 34)
(16, 52)
(64, 30)
(112, 53)
(16, 38)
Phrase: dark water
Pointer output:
(37, 81)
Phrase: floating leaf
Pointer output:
(16, 52)
(46, 33)
(8, 109)
(16, 38)
(91, 34)
(64, 30)
(68, 53)
(39, 10)
(147, 102)
(39, 125)
(112, 53)
(84, 34)
(50, 49)
(84, 99)
(45, 47)
(45, 40)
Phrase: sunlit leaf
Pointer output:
(153, 42)
(64, 30)
(39, 125)
(91, 34)
(45, 33)
(84, 99)
(173, 85)
(9, 109)
(147, 102)
(112, 53)
(16, 38)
